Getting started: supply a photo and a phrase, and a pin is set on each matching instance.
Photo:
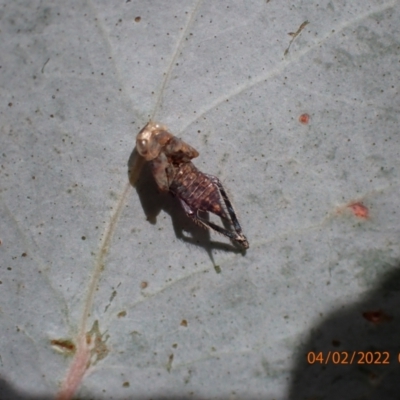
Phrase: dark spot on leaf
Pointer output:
(64, 345)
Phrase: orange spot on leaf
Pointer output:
(359, 210)
(304, 119)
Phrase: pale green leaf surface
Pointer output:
(79, 79)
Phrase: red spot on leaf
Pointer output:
(304, 119)
(376, 317)
(359, 210)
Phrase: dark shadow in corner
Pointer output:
(153, 202)
(9, 392)
(371, 325)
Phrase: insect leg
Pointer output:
(235, 236)
(189, 212)
(159, 168)
(240, 237)
(204, 223)
(208, 224)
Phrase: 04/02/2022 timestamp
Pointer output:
(350, 357)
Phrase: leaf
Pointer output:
(109, 291)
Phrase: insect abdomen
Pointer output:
(197, 190)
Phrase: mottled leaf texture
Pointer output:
(107, 289)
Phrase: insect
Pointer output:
(172, 168)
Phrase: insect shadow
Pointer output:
(153, 201)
